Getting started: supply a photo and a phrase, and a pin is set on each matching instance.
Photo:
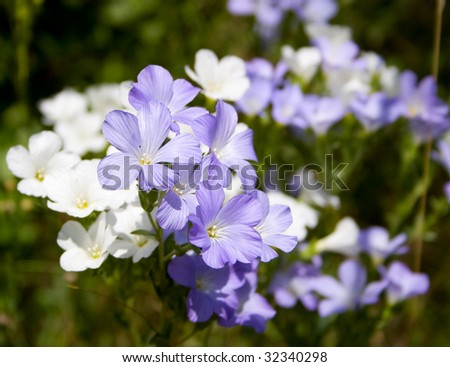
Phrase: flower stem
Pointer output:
(440, 4)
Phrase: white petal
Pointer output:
(73, 235)
(75, 259)
(32, 187)
(44, 146)
(19, 162)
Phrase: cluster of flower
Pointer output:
(190, 159)
(270, 13)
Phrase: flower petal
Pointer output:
(118, 171)
(122, 131)
(172, 213)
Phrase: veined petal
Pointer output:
(183, 148)
(158, 176)
(118, 171)
(240, 146)
(210, 203)
(154, 125)
(205, 128)
(227, 120)
(241, 209)
(284, 242)
(197, 233)
(188, 115)
(234, 243)
(154, 83)
(172, 213)
(183, 93)
(278, 220)
(122, 131)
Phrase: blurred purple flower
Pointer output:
(156, 83)
(375, 241)
(212, 290)
(337, 54)
(349, 293)
(401, 283)
(286, 106)
(316, 11)
(252, 309)
(143, 153)
(320, 113)
(296, 283)
(447, 191)
(267, 13)
(421, 105)
(443, 154)
(375, 110)
(226, 234)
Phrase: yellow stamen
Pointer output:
(95, 251)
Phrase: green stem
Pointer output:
(440, 4)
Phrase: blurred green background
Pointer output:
(48, 45)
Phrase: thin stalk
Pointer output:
(161, 261)
(440, 5)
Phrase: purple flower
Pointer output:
(226, 234)
(156, 83)
(179, 202)
(420, 104)
(211, 289)
(286, 106)
(317, 11)
(230, 149)
(375, 110)
(349, 293)
(375, 241)
(276, 219)
(143, 153)
(336, 54)
(252, 309)
(267, 13)
(256, 98)
(320, 113)
(402, 283)
(296, 283)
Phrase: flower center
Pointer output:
(141, 241)
(178, 190)
(95, 251)
(40, 174)
(212, 231)
(82, 203)
(145, 159)
(414, 109)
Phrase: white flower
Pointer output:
(63, 107)
(85, 250)
(304, 62)
(220, 79)
(344, 240)
(346, 83)
(390, 80)
(138, 246)
(303, 215)
(83, 133)
(78, 192)
(334, 33)
(104, 98)
(42, 159)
